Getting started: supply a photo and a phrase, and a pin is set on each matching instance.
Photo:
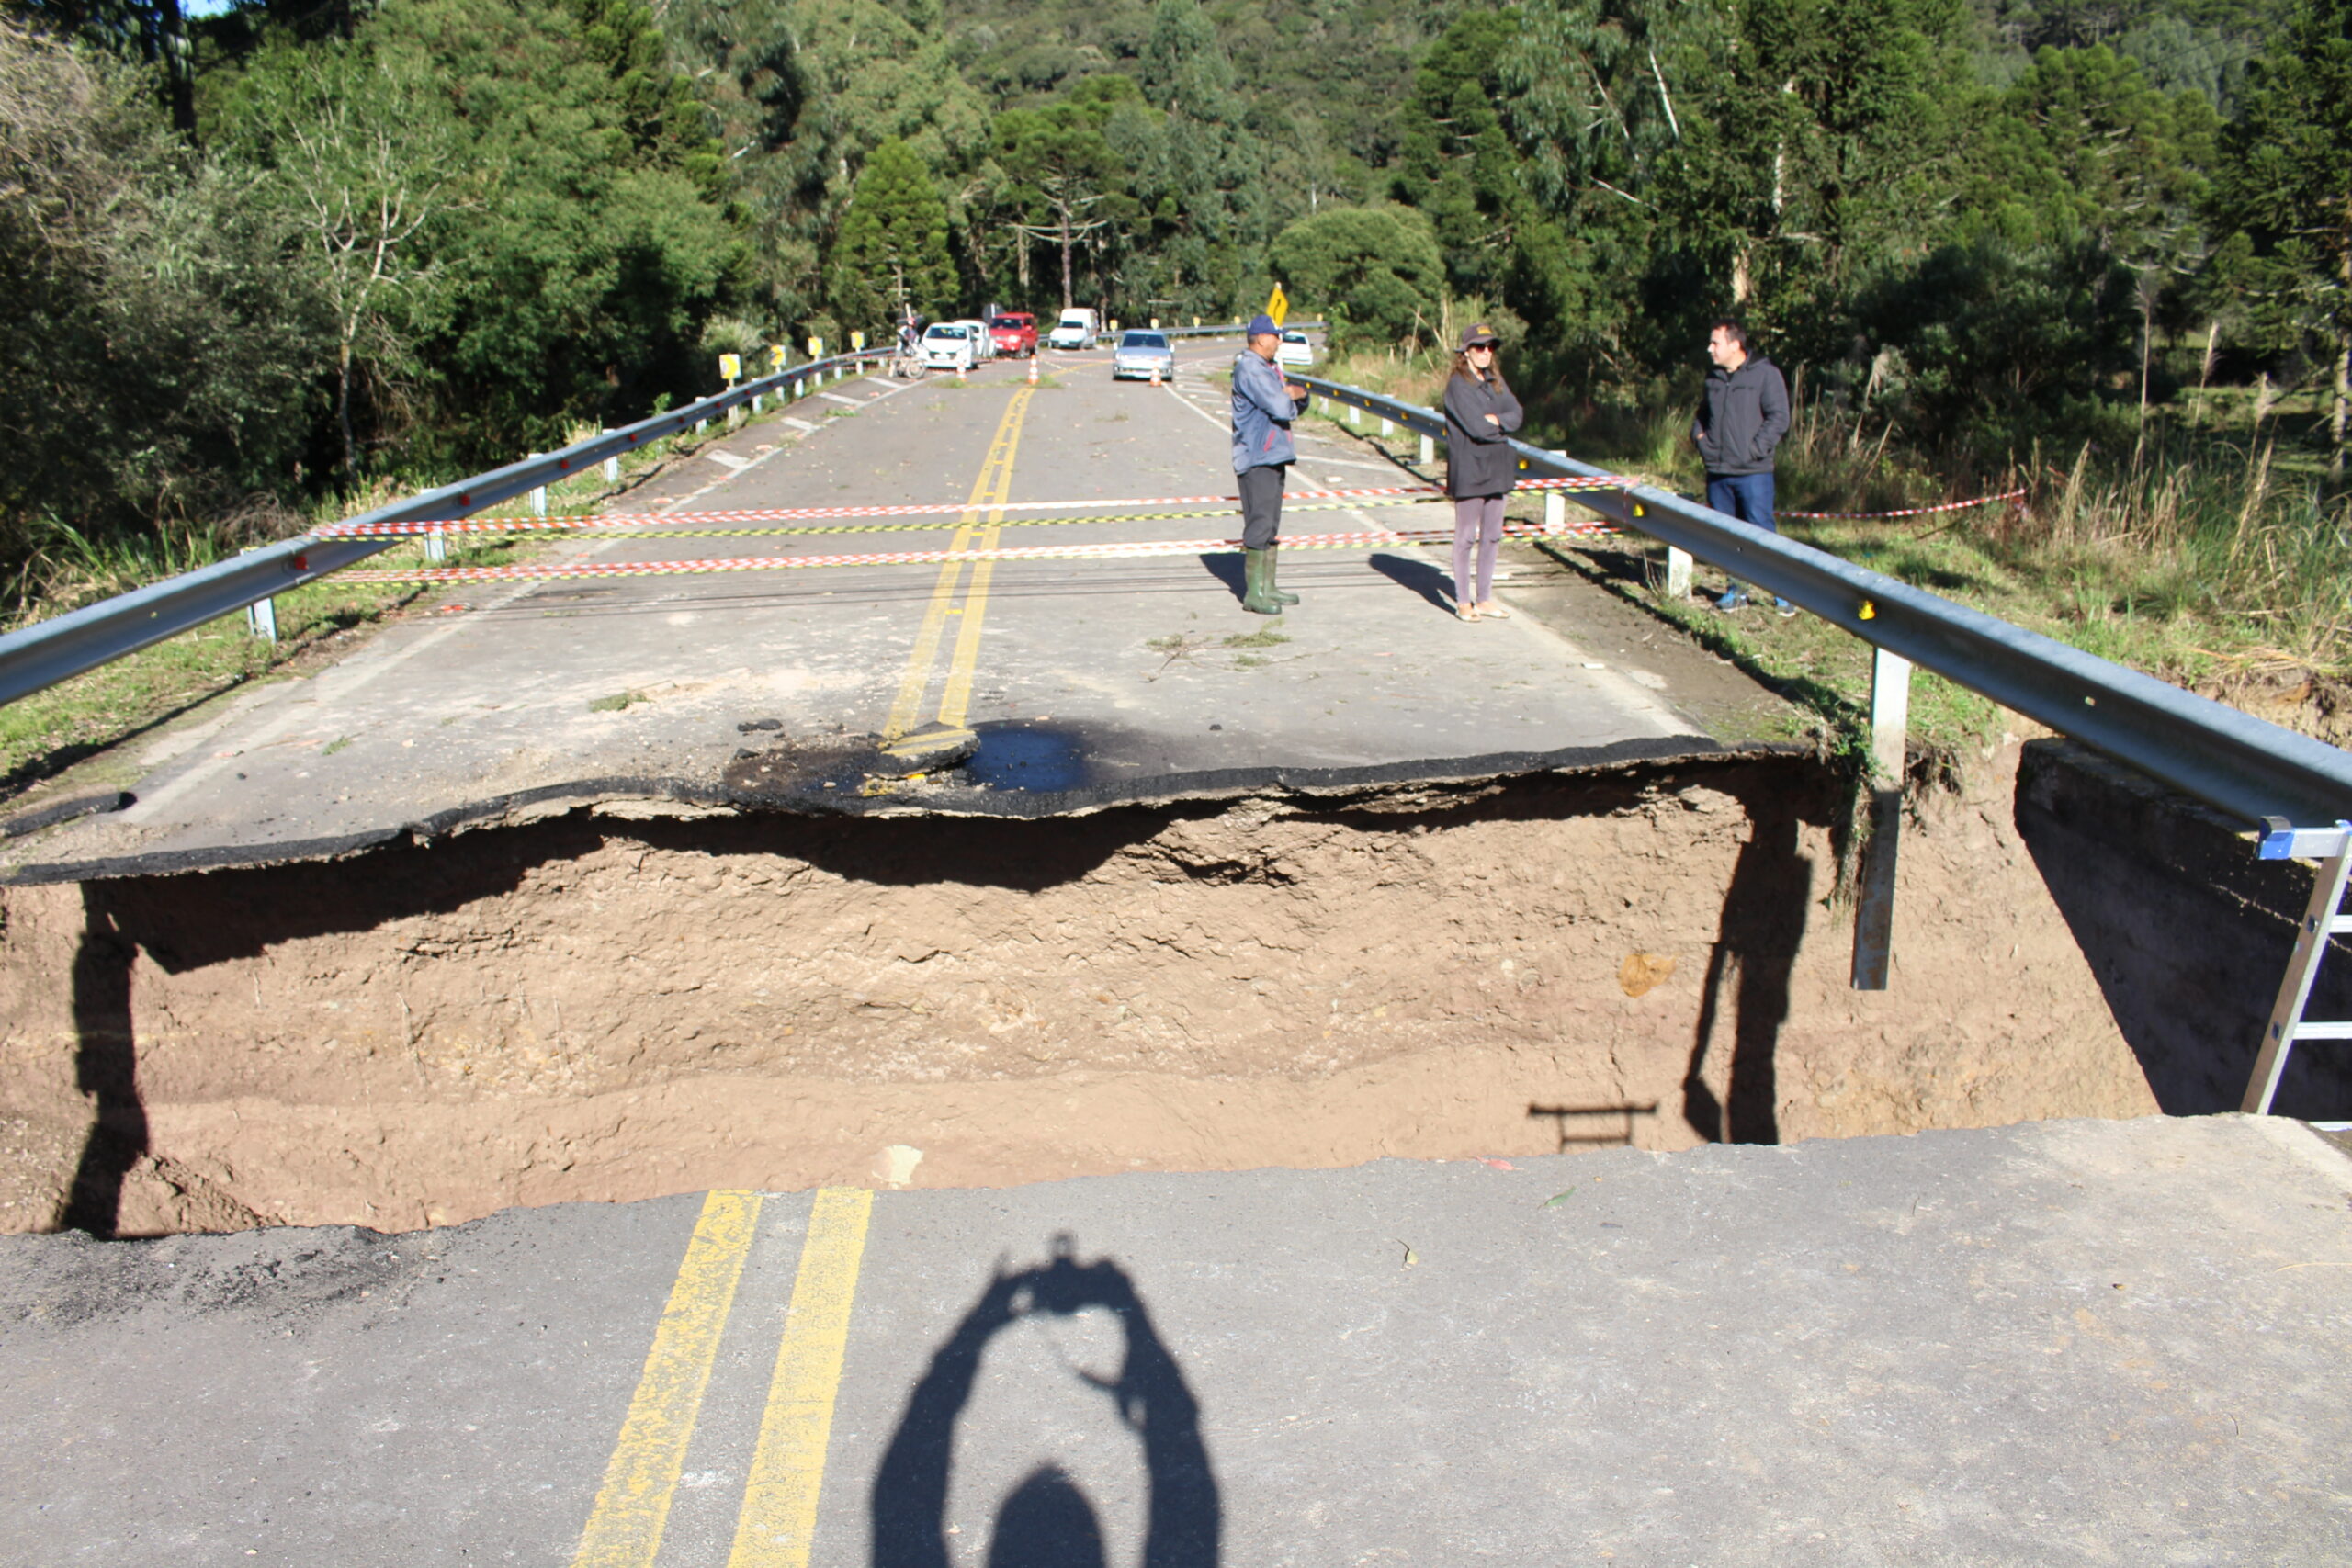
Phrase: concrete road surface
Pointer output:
(2066, 1343)
(1087, 680)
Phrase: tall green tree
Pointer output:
(891, 255)
(1374, 272)
(2286, 186)
(361, 163)
(803, 91)
(1065, 182)
(158, 359)
(595, 240)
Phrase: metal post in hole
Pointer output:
(261, 619)
(1874, 909)
(436, 545)
(1678, 573)
(1428, 451)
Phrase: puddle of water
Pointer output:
(1014, 755)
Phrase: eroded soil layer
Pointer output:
(591, 1008)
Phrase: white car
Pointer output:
(983, 345)
(1296, 350)
(947, 345)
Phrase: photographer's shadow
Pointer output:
(1046, 1521)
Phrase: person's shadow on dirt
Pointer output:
(1422, 577)
(1761, 928)
(1047, 1522)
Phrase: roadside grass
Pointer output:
(49, 731)
(2208, 555)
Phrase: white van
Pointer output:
(1075, 329)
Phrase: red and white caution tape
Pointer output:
(1908, 510)
(928, 509)
(1125, 551)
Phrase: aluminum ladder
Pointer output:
(2332, 847)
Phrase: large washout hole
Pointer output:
(596, 1007)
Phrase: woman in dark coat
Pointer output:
(1480, 467)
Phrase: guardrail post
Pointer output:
(1874, 906)
(1387, 425)
(1678, 573)
(1556, 511)
(1428, 451)
(539, 502)
(1355, 416)
(261, 619)
(436, 545)
(612, 468)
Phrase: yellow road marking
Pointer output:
(788, 1467)
(990, 492)
(625, 1528)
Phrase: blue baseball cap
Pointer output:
(1261, 323)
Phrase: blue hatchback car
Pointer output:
(1138, 354)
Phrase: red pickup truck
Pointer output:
(1015, 335)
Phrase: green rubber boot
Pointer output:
(1257, 579)
(1274, 560)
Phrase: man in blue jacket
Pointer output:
(1264, 403)
(1736, 430)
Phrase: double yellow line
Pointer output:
(989, 492)
(779, 1513)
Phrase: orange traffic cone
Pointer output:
(959, 372)
(1033, 369)
(1155, 375)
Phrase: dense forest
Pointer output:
(300, 247)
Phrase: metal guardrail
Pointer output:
(2293, 788)
(59, 648)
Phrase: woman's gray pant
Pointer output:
(1477, 523)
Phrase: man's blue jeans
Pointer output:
(1748, 497)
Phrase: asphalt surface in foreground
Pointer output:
(1087, 680)
(2058, 1343)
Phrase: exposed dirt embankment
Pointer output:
(599, 1008)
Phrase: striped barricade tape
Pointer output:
(927, 509)
(945, 525)
(1131, 550)
(1908, 510)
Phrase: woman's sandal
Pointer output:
(1464, 611)
(1492, 611)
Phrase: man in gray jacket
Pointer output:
(1737, 429)
(1264, 403)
